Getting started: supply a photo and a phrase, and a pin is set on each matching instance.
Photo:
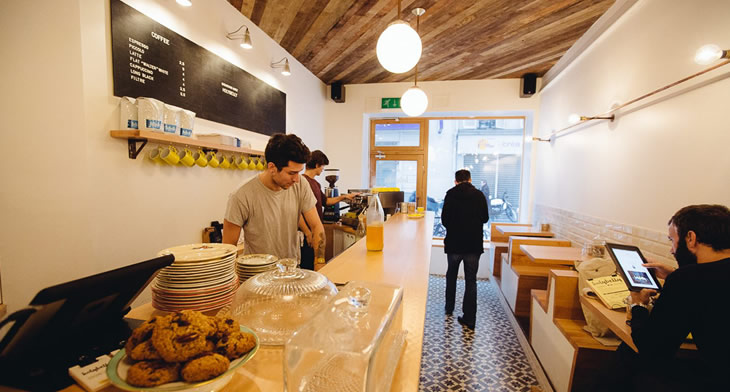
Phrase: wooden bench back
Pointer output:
(567, 297)
(517, 256)
(496, 236)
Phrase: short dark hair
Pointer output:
(710, 222)
(283, 148)
(317, 159)
(462, 175)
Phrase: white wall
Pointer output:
(660, 154)
(347, 124)
(72, 203)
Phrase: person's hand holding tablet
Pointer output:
(661, 270)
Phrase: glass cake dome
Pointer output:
(276, 303)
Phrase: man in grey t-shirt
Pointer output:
(269, 205)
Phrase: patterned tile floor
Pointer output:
(493, 357)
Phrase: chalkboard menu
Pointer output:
(150, 60)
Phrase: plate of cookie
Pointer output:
(184, 351)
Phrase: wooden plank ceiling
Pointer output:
(462, 39)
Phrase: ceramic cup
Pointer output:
(212, 159)
(154, 155)
(251, 165)
(200, 159)
(420, 210)
(225, 163)
(186, 157)
(259, 166)
(241, 162)
(232, 162)
(169, 155)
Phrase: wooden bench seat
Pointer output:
(572, 359)
(517, 281)
(577, 336)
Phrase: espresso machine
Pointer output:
(331, 213)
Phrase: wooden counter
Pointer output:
(551, 254)
(615, 320)
(404, 262)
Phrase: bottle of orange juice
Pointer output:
(375, 218)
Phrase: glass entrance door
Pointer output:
(403, 171)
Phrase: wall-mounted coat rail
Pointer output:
(135, 136)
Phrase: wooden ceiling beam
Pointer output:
(462, 40)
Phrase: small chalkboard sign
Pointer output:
(150, 60)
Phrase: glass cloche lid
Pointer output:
(278, 302)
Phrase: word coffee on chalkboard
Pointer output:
(150, 60)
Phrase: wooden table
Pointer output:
(615, 320)
(564, 255)
(404, 262)
(531, 231)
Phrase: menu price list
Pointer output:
(150, 60)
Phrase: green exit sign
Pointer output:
(390, 103)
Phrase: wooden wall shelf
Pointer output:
(136, 136)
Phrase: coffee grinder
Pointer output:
(331, 213)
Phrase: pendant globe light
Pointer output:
(415, 101)
(399, 46)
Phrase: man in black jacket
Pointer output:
(694, 299)
(464, 214)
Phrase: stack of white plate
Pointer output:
(250, 265)
(203, 277)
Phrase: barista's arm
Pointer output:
(231, 232)
(334, 200)
(312, 219)
(305, 229)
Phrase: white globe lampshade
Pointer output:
(707, 54)
(399, 47)
(414, 101)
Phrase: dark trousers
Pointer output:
(471, 265)
(307, 257)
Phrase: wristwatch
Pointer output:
(639, 304)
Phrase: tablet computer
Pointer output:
(629, 262)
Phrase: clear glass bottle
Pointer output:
(375, 220)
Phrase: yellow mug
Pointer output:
(154, 155)
(260, 166)
(241, 162)
(251, 165)
(420, 210)
(232, 161)
(200, 159)
(169, 155)
(212, 159)
(225, 164)
(186, 158)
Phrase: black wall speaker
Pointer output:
(337, 92)
(528, 85)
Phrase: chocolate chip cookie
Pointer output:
(236, 344)
(182, 336)
(144, 351)
(141, 334)
(152, 373)
(225, 326)
(204, 368)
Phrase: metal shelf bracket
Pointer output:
(133, 150)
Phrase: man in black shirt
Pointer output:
(465, 212)
(695, 298)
